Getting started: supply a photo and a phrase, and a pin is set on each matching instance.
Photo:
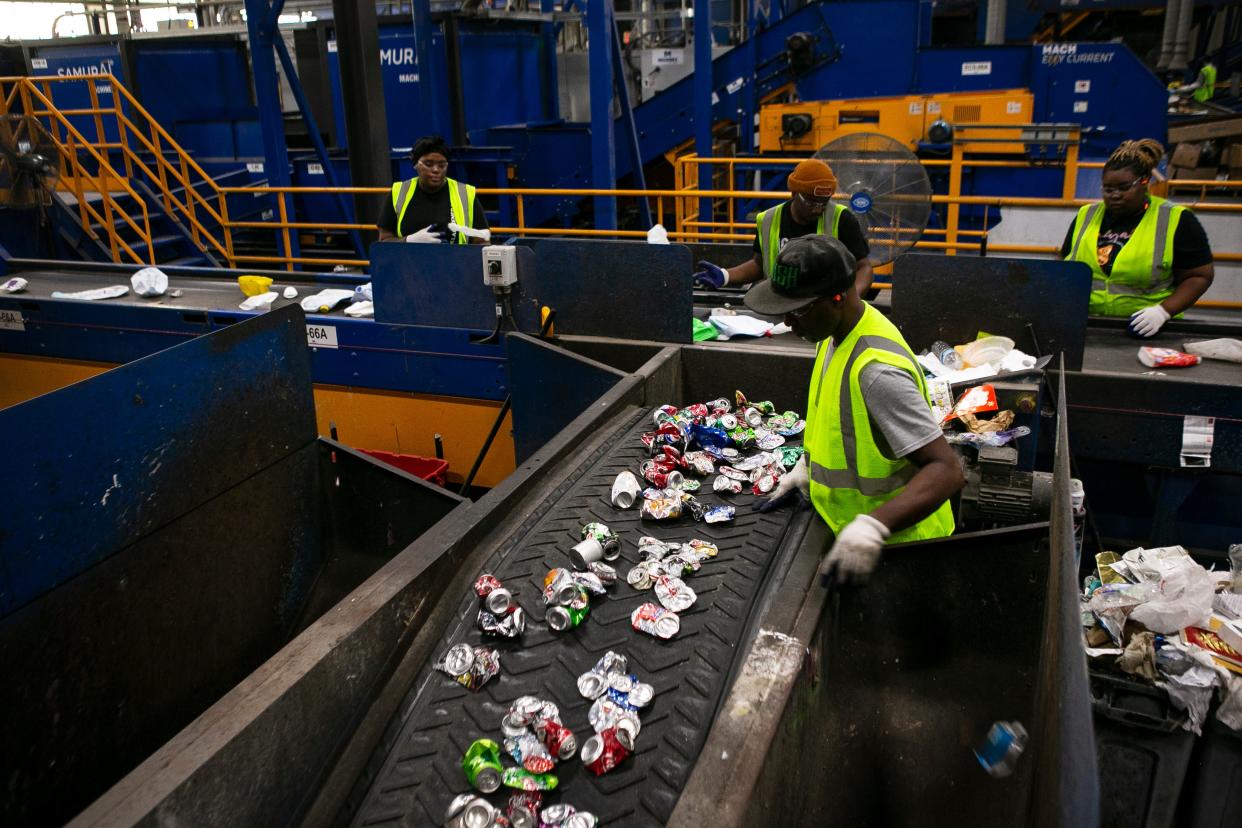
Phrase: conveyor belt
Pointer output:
(417, 769)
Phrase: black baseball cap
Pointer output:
(807, 269)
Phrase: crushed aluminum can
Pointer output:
(641, 577)
(509, 625)
(590, 582)
(703, 549)
(793, 430)
(696, 509)
(755, 461)
(598, 531)
(765, 407)
(621, 700)
(592, 685)
(523, 809)
(581, 600)
(641, 694)
(471, 667)
(522, 711)
(719, 514)
(765, 481)
(701, 463)
(661, 508)
(681, 564)
(604, 751)
(689, 484)
(566, 618)
(734, 474)
(719, 404)
(586, 552)
(725, 485)
(655, 620)
(625, 490)
(606, 573)
(630, 725)
(611, 662)
(768, 440)
(556, 815)
(485, 584)
(752, 417)
(728, 422)
(740, 399)
(674, 594)
(581, 819)
(524, 780)
(663, 414)
(662, 477)
(742, 437)
(606, 713)
(704, 436)
(481, 764)
(650, 548)
(621, 682)
(559, 587)
(499, 601)
(469, 811)
(695, 411)
(558, 739)
(529, 752)
(789, 455)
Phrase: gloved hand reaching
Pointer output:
(855, 552)
(795, 485)
(431, 234)
(711, 276)
(1148, 321)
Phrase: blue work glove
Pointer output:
(711, 276)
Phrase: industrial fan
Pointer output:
(28, 163)
(889, 191)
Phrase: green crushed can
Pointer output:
(482, 765)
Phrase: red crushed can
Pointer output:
(605, 750)
(558, 739)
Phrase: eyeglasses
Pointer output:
(798, 314)
(434, 165)
(1124, 188)
(814, 203)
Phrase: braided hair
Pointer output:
(1140, 157)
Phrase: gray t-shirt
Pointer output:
(901, 418)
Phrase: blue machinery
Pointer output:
(491, 83)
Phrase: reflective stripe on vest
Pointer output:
(768, 229)
(461, 203)
(1142, 272)
(849, 473)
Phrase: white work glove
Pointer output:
(795, 483)
(855, 552)
(1148, 322)
(426, 236)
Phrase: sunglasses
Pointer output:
(1124, 188)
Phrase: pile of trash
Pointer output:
(1156, 614)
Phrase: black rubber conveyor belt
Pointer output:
(416, 770)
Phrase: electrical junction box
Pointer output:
(499, 265)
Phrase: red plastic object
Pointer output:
(427, 468)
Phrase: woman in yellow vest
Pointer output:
(879, 469)
(1149, 258)
(422, 208)
(809, 212)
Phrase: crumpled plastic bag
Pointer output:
(657, 235)
(1226, 349)
(1192, 690)
(150, 281)
(1230, 711)
(15, 285)
(1184, 599)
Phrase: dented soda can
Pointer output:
(650, 548)
(590, 583)
(566, 618)
(524, 780)
(557, 815)
(523, 809)
(674, 594)
(768, 440)
(581, 819)
(752, 417)
(586, 552)
(726, 485)
(611, 662)
(625, 490)
(481, 763)
(485, 584)
(720, 404)
(701, 463)
(559, 587)
(719, 514)
(607, 574)
(582, 599)
(641, 694)
(663, 414)
(521, 713)
(529, 752)
(680, 564)
(507, 625)
(728, 422)
(655, 620)
(471, 667)
(734, 474)
(469, 811)
(592, 684)
(558, 739)
(661, 508)
(641, 577)
(792, 430)
(742, 437)
(660, 477)
(499, 601)
(765, 482)
(789, 455)
(704, 436)
(604, 751)
(704, 549)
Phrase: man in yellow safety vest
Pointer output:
(809, 212)
(877, 468)
(432, 201)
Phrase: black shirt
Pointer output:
(426, 208)
(1190, 242)
(848, 231)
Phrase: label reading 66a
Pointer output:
(11, 320)
(321, 336)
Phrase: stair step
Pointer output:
(188, 261)
(157, 242)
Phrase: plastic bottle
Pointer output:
(948, 357)
(1002, 748)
